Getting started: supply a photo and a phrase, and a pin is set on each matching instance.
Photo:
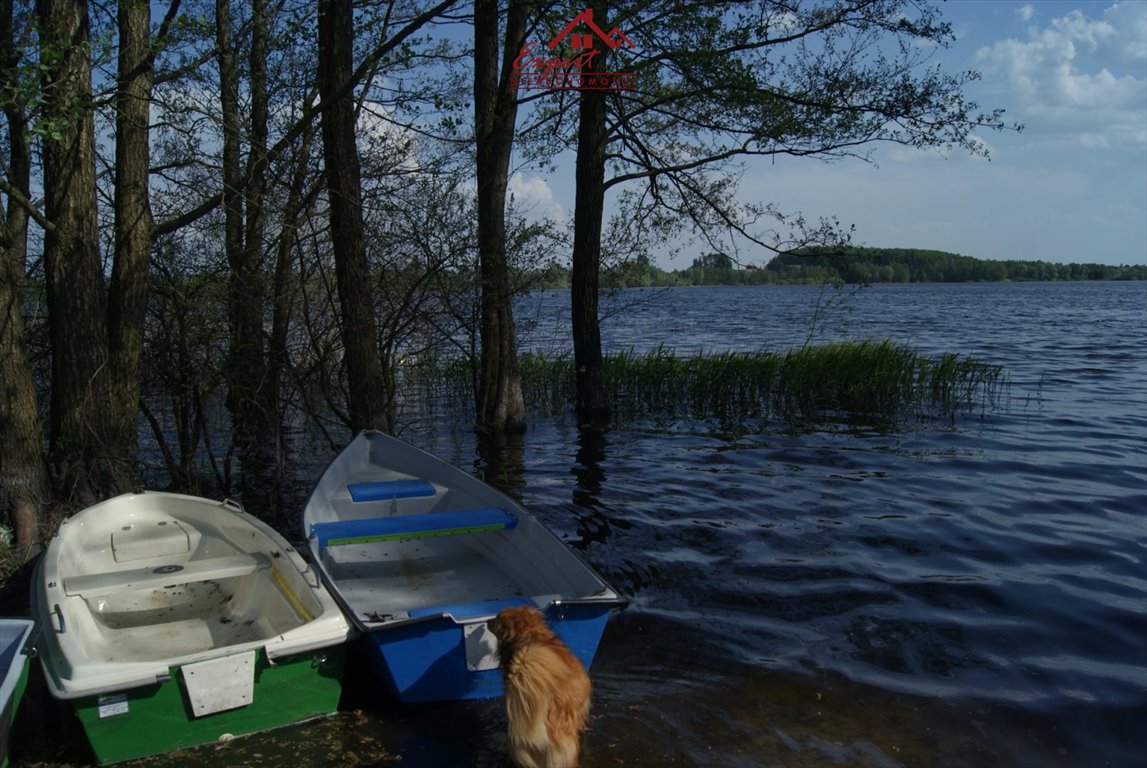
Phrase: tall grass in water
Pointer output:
(876, 381)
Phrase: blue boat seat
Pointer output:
(399, 527)
(153, 577)
(382, 490)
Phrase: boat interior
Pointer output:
(403, 547)
(161, 584)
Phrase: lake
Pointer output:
(966, 592)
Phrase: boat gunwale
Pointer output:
(370, 627)
(24, 644)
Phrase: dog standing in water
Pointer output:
(547, 690)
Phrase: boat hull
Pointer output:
(154, 719)
(428, 661)
(16, 639)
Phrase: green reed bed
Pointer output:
(868, 380)
(873, 380)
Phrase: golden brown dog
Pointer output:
(547, 690)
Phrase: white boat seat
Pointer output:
(384, 490)
(156, 536)
(111, 582)
(399, 527)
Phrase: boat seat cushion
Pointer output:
(398, 527)
(407, 488)
(99, 584)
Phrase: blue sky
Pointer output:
(1071, 187)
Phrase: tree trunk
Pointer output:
(84, 465)
(259, 455)
(127, 298)
(278, 356)
(246, 367)
(22, 475)
(366, 396)
(500, 404)
(592, 402)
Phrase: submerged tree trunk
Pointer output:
(84, 461)
(22, 477)
(500, 404)
(366, 397)
(592, 403)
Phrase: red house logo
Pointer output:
(556, 73)
(615, 38)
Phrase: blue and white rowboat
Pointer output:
(421, 555)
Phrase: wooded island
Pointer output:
(858, 265)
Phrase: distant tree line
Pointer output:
(913, 265)
(818, 265)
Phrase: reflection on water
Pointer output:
(964, 594)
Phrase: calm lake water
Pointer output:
(966, 593)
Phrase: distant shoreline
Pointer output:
(853, 265)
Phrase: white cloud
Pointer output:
(1131, 20)
(1092, 33)
(533, 197)
(378, 134)
(1070, 78)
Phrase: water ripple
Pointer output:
(987, 576)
